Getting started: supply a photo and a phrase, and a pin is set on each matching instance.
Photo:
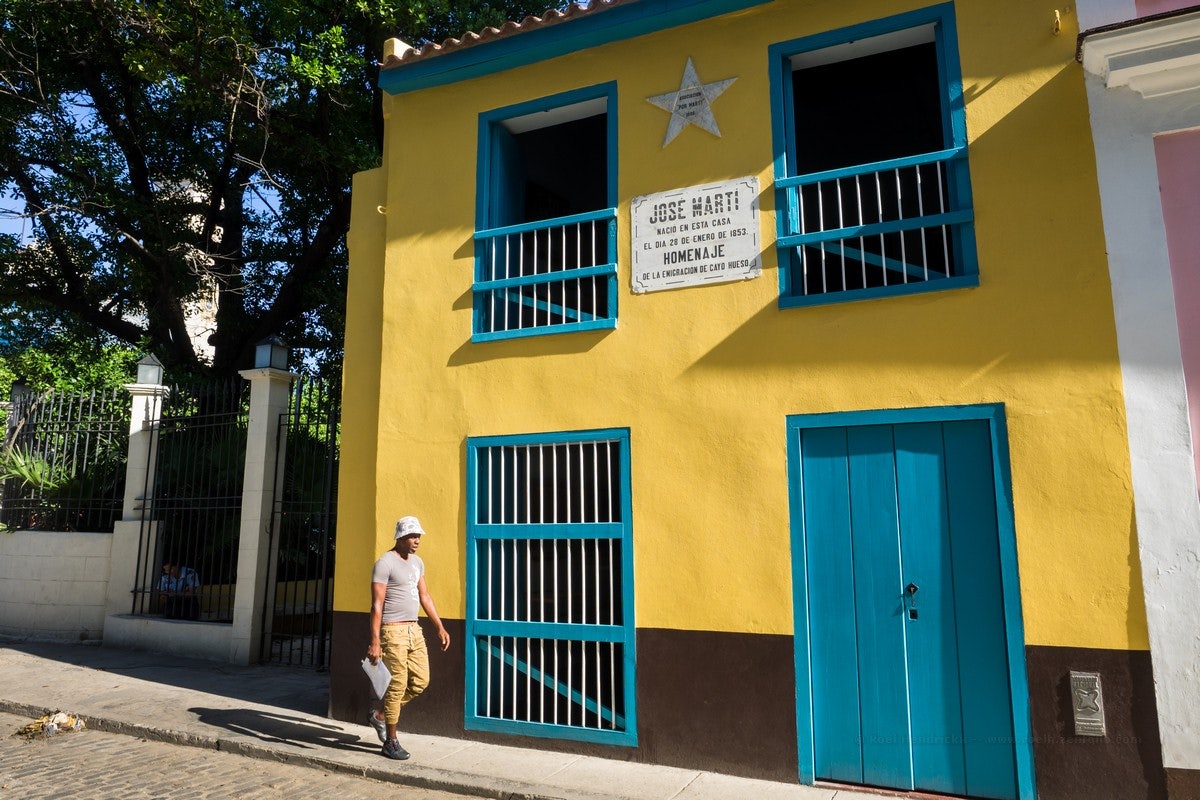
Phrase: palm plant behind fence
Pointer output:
(62, 461)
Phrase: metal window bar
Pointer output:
(548, 555)
(542, 697)
(895, 227)
(553, 274)
(65, 453)
(192, 513)
(487, 489)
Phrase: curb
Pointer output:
(414, 776)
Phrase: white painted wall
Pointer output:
(1098, 13)
(175, 636)
(53, 585)
(1095, 13)
(1164, 478)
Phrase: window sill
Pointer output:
(549, 731)
(943, 284)
(545, 330)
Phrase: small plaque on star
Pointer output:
(692, 104)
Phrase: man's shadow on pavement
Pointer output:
(279, 729)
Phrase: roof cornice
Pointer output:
(1153, 57)
(540, 38)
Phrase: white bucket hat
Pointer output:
(408, 526)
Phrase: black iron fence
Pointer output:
(63, 467)
(187, 556)
(62, 461)
(299, 588)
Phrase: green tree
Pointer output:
(169, 153)
(66, 364)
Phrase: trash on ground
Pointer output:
(51, 725)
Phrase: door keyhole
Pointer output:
(911, 592)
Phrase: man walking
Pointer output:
(397, 590)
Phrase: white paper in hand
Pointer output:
(379, 675)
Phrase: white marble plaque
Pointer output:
(695, 235)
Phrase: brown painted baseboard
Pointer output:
(726, 702)
(439, 711)
(723, 702)
(1183, 784)
(1127, 762)
(713, 701)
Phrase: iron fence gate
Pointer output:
(299, 589)
(192, 517)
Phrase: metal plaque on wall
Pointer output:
(695, 235)
(1087, 700)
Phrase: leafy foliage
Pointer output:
(179, 156)
(32, 471)
(68, 364)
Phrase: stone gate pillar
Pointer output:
(127, 542)
(270, 383)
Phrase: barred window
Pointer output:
(546, 231)
(549, 607)
(874, 190)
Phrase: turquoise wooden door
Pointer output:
(902, 606)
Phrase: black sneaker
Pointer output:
(392, 749)
(379, 725)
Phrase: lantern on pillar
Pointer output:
(149, 370)
(271, 352)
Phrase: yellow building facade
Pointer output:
(751, 441)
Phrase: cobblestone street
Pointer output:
(96, 764)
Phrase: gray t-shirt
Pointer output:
(402, 602)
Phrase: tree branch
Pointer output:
(67, 268)
(288, 302)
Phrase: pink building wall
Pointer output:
(1178, 158)
(1147, 7)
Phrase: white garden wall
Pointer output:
(54, 585)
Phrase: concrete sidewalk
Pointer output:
(277, 713)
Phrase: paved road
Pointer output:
(96, 764)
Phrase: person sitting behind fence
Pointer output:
(178, 588)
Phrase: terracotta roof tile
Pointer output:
(547, 19)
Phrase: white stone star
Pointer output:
(692, 104)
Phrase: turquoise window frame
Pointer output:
(954, 132)
(485, 228)
(994, 415)
(624, 634)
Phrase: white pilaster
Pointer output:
(1127, 73)
(144, 417)
(268, 402)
